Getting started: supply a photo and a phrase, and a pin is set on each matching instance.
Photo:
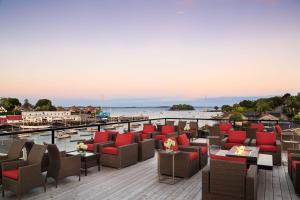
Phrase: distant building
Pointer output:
(49, 116)
(14, 119)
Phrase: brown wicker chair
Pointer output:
(122, 153)
(193, 129)
(167, 131)
(14, 153)
(186, 145)
(294, 168)
(60, 165)
(227, 180)
(273, 149)
(99, 139)
(235, 138)
(146, 147)
(186, 164)
(21, 176)
(181, 126)
(215, 137)
(251, 133)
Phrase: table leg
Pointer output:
(99, 166)
(173, 166)
(158, 167)
(85, 168)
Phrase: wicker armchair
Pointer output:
(294, 168)
(227, 180)
(225, 128)
(122, 153)
(167, 131)
(268, 144)
(14, 153)
(181, 126)
(186, 164)
(99, 139)
(61, 166)
(149, 130)
(146, 147)
(201, 148)
(259, 126)
(235, 138)
(215, 137)
(21, 176)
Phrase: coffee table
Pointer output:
(164, 179)
(88, 160)
(250, 153)
(265, 161)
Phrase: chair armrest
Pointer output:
(104, 144)
(90, 141)
(71, 162)
(253, 142)
(251, 182)
(127, 149)
(198, 144)
(13, 164)
(189, 148)
(26, 173)
(63, 153)
(293, 151)
(145, 141)
(295, 156)
(3, 157)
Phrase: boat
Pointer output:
(135, 125)
(25, 135)
(86, 134)
(109, 128)
(47, 134)
(92, 129)
(118, 125)
(62, 135)
(34, 127)
(71, 132)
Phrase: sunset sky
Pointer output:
(155, 49)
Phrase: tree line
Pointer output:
(289, 104)
(14, 106)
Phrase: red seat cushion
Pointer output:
(236, 137)
(110, 150)
(183, 140)
(144, 136)
(267, 148)
(263, 138)
(193, 155)
(148, 128)
(160, 137)
(204, 150)
(101, 137)
(225, 127)
(294, 164)
(230, 145)
(259, 126)
(90, 147)
(12, 174)
(226, 158)
(167, 129)
(278, 129)
(124, 139)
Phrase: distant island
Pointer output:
(181, 107)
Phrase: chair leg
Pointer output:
(3, 191)
(79, 177)
(56, 183)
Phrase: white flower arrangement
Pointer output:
(169, 144)
(81, 147)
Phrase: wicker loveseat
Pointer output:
(235, 138)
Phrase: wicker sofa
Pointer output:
(235, 138)
(225, 179)
(121, 153)
(294, 168)
(99, 139)
(268, 144)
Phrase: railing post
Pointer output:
(52, 137)
(99, 127)
(234, 123)
(150, 122)
(128, 126)
(165, 121)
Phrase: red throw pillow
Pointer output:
(227, 158)
(278, 129)
(224, 127)
(101, 137)
(259, 126)
(124, 139)
(166, 129)
(263, 138)
(148, 128)
(183, 139)
(236, 137)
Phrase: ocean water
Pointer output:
(69, 144)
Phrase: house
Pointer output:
(2, 109)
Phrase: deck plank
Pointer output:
(140, 181)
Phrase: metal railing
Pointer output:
(99, 125)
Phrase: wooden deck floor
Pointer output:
(140, 182)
